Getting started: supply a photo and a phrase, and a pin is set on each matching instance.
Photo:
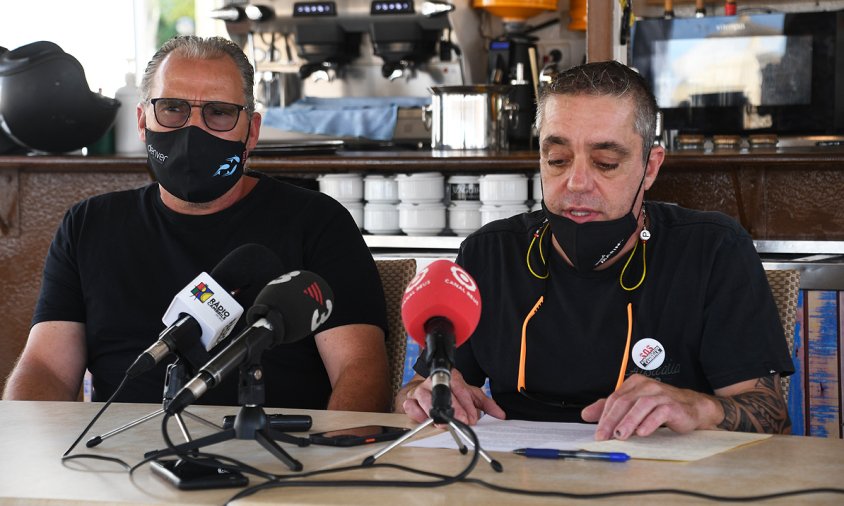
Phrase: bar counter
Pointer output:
(310, 162)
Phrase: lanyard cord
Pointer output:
(644, 235)
(520, 385)
(539, 234)
(522, 354)
(626, 346)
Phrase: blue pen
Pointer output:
(545, 453)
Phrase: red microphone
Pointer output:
(440, 310)
(442, 289)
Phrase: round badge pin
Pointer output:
(648, 354)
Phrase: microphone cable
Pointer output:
(654, 491)
(66, 455)
(296, 480)
(440, 480)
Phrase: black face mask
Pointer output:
(194, 165)
(590, 244)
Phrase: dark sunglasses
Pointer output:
(175, 113)
(538, 397)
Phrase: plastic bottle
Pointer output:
(126, 139)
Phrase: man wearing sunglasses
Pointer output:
(118, 259)
(602, 307)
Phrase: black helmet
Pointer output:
(7, 145)
(45, 102)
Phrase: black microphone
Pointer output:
(208, 308)
(288, 309)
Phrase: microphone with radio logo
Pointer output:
(288, 309)
(207, 309)
(440, 309)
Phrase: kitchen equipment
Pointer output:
(776, 73)
(515, 10)
(359, 48)
(470, 117)
(513, 61)
(277, 89)
(510, 62)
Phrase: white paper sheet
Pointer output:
(667, 445)
(507, 435)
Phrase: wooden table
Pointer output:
(35, 434)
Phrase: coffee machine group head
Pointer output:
(321, 40)
(404, 39)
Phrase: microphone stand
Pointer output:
(176, 377)
(251, 421)
(440, 355)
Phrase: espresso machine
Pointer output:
(360, 48)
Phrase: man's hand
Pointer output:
(642, 405)
(468, 401)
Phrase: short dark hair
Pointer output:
(609, 78)
(191, 46)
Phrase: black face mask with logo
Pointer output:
(590, 244)
(194, 165)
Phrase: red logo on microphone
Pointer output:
(314, 292)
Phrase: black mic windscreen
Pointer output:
(296, 303)
(246, 271)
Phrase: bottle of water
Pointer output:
(126, 139)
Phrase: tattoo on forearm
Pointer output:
(759, 410)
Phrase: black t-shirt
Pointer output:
(118, 260)
(703, 318)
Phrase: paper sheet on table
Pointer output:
(667, 445)
(507, 435)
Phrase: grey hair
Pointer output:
(191, 46)
(607, 78)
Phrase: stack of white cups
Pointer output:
(537, 193)
(464, 209)
(502, 196)
(346, 189)
(421, 208)
(380, 214)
